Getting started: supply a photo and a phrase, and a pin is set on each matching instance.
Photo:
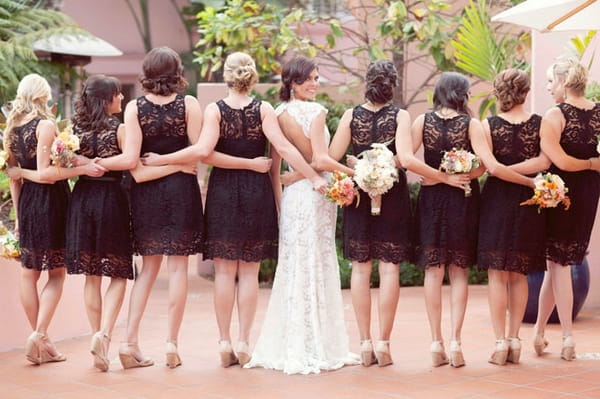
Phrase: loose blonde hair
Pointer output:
(33, 94)
(572, 74)
(239, 72)
(510, 88)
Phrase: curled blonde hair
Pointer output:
(510, 88)
(572, 74)
(239, 72)
(33, 94)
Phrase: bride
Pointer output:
(304, 329)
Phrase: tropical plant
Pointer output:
(21, 24)
(483, 51)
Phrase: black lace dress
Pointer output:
(511, 236)
(568, 233)
(98, 223)
(42, 207)
(167, 212)
(386, 237)
(241, 216)
(446, 220)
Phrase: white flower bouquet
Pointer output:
(459, 161)
(3, 159)
(549, 191)
(9, 244)
(375, 173)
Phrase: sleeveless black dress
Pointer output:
(167, 212)
(568, 233)
(98, 223)
(446, 220)
(241, 215)
(511, 237)
(386, 237)
(42, 207)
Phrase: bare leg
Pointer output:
(49, 298)
(434, 277)
(459, 295)
(498, 300)
(178, 289)
(93, 301)
(29, 294)
(517, 302)
(247, 296)
(139, 296)
(545, 304)
(389, 292)
(113, 300)
(563, 293)
(224, 295)
(360, 281)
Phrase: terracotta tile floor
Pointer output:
(411, 376)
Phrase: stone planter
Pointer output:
(580, 276)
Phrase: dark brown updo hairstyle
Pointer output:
(239, 72)
(510, 88)
(162, 72)
(452, 91)
(297, 71)
(91, 109)
(381, 79)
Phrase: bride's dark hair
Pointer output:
(91, 110)
(297, 71)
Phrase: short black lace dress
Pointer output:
(568, 233)
(446, 220)
(42, 207)
(98, 223)
(386, 237)
(241, 216)
(511, 236)
(167, 212)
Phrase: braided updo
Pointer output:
(510, 88)
(572, 74)
(381, 79)
(239, 72)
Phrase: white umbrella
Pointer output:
(83, 44)
(554, 15)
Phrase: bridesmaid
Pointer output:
(98, 233)
(569, 137)
(165, 201)
(40, 196)
(241, 213)
(387, 237)
(511, 237)
(447, 220)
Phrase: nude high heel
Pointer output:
(456, 355)
(568, 348)
(539, 344)
(438, 354)
(367, 355)
(173, 359)
(500, 353)
(128, 358)
(514, 350)
(98, 349)
(382, 353)
(228, 358)
(242, 351)
(32, 348)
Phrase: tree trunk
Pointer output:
(398, 60)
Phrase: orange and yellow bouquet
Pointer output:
(341, 190)
(549, 191)
(64, 146)
(9, 244)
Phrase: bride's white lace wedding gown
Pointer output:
(304, 329)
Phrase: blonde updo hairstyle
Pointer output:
(239, 72)
(510, 88)
(33, 94)
(572, 74)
